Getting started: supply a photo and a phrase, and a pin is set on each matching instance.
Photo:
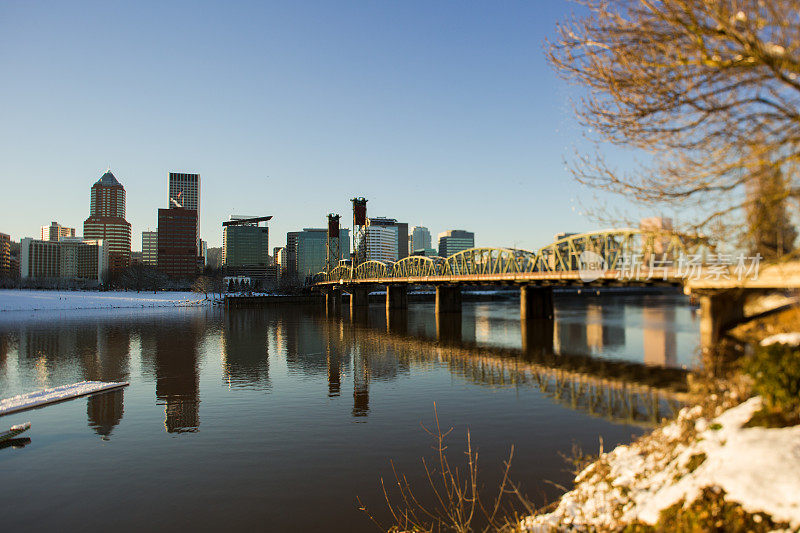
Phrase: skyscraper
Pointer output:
(420, 239)
(177, 242)
(56, 231)
(184, 191)
(454, 241)
(383, 239)
(5, 255)
(312, 253)
(245, 246)
(150, 248)
(107, 221)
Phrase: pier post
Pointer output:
(719, 311)
(535, 302)
(359, 297)
(448, 299)
(396, 297)
(333, 301)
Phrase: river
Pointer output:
(279, 418)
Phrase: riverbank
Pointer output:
(41, 300)
(684, 471)
(729, 462)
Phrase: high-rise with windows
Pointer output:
(5, 255)
(184, 191)
(150, 248)
(454, 241)
(107, 221)
(177, 242)
(56, 231)
(420, 240)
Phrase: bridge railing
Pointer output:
(612, 247)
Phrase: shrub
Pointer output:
(775, 370)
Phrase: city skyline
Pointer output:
(383, 102)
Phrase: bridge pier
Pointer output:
(535, 302)
(359, 297)
(448, 299)
(333, 301)
(719, 311)
(396, 297)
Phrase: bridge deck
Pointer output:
(570, 277)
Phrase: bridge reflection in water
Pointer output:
(559, 357)
(613, 360)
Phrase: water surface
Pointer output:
(278, 418)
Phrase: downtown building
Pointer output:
(55, 231)
(245, 247)
(177, 243)
(454, 241)
(306, 253)
(70, 258)
(178, 236)
(5, 256)
(386, 239)
(420, 241)
(150, 248)
(107, 222)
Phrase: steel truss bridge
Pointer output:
(627, 255)
(612, 257)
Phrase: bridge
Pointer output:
(617, 257)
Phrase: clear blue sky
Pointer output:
(442, 114)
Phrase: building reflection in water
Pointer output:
(245, 348)
(72, 352)
(589, 329)
(106, 357)
(659, 336)
(171, 349)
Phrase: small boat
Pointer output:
(13, 431)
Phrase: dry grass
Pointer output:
(454, 499)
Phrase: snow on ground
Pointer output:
(758, 468)
(792, 339)
(30, 300)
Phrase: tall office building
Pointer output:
(177, 242)
(420, 240)
(311, 251)
(5, 255)
(184, 191)
(245, 246)
(107, 221)
(150, 248)
(55, 231)
(454, 241)
(383, 239)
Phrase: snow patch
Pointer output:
(792, 339)
(758, 468)
(33, 300)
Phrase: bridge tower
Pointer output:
(359, 230)
(334, 244)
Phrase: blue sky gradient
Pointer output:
(443, 114)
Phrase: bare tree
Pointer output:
(203, 284)
(709, 90)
